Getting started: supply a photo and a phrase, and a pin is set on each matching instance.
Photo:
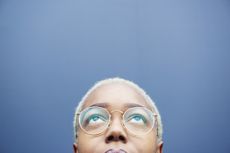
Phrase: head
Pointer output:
(118, 98)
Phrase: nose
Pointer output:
(116, 132)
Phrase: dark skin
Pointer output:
(117, 96)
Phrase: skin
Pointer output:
(116, 96)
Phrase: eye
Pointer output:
(96, 118)
(137, 118)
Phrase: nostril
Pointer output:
(122, 138)
(114, 138)
(109, 138)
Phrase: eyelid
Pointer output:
(98, 115)
(136, 115)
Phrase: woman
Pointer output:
(117, 116)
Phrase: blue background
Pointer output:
(52, 51)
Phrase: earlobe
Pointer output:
(160, 147)
(75, 148)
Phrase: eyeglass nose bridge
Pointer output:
(122, 122)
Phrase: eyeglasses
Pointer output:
(96, 120)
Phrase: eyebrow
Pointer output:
(127, 105)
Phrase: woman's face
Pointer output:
(116, 139)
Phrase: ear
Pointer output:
(75, 148)
(160, 147)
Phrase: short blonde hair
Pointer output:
(129, 83)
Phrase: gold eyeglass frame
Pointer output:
(123, 124)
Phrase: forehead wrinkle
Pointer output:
(104, 105)
(126, 105)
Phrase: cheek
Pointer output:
(88, 144)
(145, 144)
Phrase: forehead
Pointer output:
(116, 96)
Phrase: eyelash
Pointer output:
(137, 115)
(94, 115)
